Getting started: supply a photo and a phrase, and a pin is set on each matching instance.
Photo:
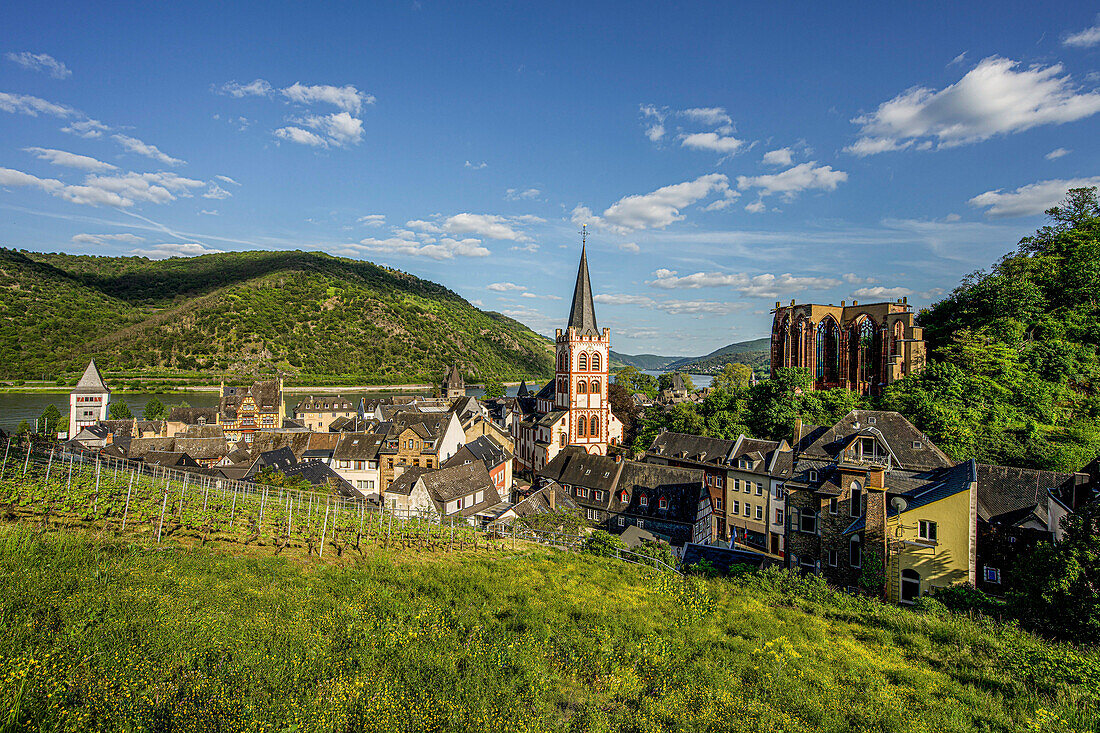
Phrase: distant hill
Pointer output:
(755, 353)
(652, 362)
(304, 313)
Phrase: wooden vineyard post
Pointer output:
(260, 521)
(126, 510)
(49, 465)
(205, 495)
(4, 465)
(95, 508)
(389, 529)
(289, 513)
(451, 546)
(27, 462)
(163, 506)
(321, 551)
(233, 509)
(69, 485)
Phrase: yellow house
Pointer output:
(930, 538)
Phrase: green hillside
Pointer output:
(756, 354)
(650, 362)
(114, 637)
(245, 313)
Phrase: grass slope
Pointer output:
(106, 636)
(249, 312)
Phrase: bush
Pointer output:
(965, 597)
(603, 544)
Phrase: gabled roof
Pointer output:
(484, 449)
(547, 392)
(574, 466)
(191, 415)
(692, 447)
(280, 459)
(1012, 495)
(91, 382)
(359, 446)
(453, 380)
(937, 485)
(582, 313)
(320, 475)
(910, 446)
(448, 484)
(170, 459)
(404, 483)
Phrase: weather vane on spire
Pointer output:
(584, 234)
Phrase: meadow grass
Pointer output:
(105, 635)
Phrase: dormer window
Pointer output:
(623, 497)
(813, 476)
(663, 503)
(643, 500)
(917, 444)
(872, 420)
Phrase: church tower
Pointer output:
(88, 400)
(583, 353)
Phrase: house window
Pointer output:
(917, 444)
(779, 516)
(595, 387)
(663, 503)
(735, 507)
(594, 426)
(855, 552)
(813, 476)
(855, 506)
(807, 521)
(622, 522)
(643, 500)
(593, 515)
(759, 489)
(718, 481)
(992, 575)
(748, 509)
(597, 495)
(718, 504)
(759, 511)
(926, 530)
(872, 420)
(737, 484)
(833, 561)
(748, 487)
(833, 505)
(584, 493)
(910, 586)
(641, 524)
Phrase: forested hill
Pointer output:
(249, 312)
(1014, 375)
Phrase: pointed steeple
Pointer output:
(91, 382)
(523, 391)
(582, 314)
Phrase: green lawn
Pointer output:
(111, 636)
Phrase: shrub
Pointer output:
(603, 544)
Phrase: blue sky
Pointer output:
(723, 156)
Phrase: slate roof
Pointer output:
(140, 446)
(453, 380)
(330, 403)
(203, 448)
(202, 431)
(582, 313)
(359, 446)
(692, 447)
(320, 475)
(448, 484)
(548, 392)
(538, 503)
(936, 485)
(265, 393)
(403, 484)
(280, 459)
(267, 440)
(900, 435)
(91, 382)
(574, 466)
(523, 391)
(191, 415)
(170, 459)
(425, 424)
(1013, 495)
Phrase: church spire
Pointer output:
(582, 314)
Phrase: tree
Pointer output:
(119, 411)
(494, 388)
(624, 408)
(51, 420)
(636, 382)
(775, 403)
(1058, 592)
(733, 377)
(154, 410)
(24, 428)
(665, 381)
(603, 544)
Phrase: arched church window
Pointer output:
(863, 361)
(594, 427)
(581, 427)
(595, 388)
(828, 343)
(595, 362)
(582, 386)
(582, 362)
(899, 334)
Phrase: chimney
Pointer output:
(552, 496)
(797, 430)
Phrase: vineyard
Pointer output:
(59, 487)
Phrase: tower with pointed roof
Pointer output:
(453, 385)
(581, 376)
(88, 400)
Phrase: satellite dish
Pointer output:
(899, 503)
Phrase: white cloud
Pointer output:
(931, 293)
(172, 249)
(483, 225)
(107, 239)
(216, 192)
(257, 88)
(150, 151)
(802, 177)
(514, 194)
(227, 179)
(630, 247)
(780, 157)
(958, 59)
(505, 287)
(347, 98)
(756, 207)
(622, 299)
(853, 279)
(952, 217)
(711, 141)
(654, 210)
(880, 292)
(478, 303)
(302, 137)
(86, 128)
(339, 128)
(1083, 39)
(529, 247)
(69, 160)
(654, 126)
(119, 191)
(445, 249)
(766, 285)
(476, 166)
(25, 104)
(694, 307)
(541, 297)
(208, 212)
(993, 98)
(41, 62)
(373, 220)
(708, 115)
(1056, 154)
(424, 226)
(1029, 200)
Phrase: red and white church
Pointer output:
(573, 408)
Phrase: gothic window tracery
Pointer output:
(596, 361)
(582, 362)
